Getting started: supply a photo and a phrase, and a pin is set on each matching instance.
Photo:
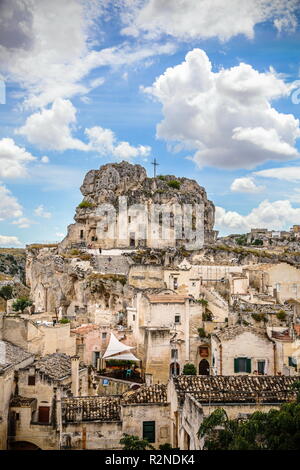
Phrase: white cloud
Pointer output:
(40, 212)
(288, 173)
(194, 19)
(105, 143)
(23, 222)
(51, 128)
(49, 48)
(9, 205)
(275, 215)
(226, 116)
(45, 159)
(9, 241)
(245, 185)
(13, 159)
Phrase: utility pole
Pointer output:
(155, 164)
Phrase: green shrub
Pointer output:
(259, 317)
(189, 369)
(161, 177)
(281, 315)
(201, 332)
(174, 184)
(64, 320)
(6, 292)
(20, 304)
(203, 302)
(165, 446)
(85, 205)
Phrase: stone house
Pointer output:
(279, 280)
(33, 407)
(243, 350)
(12, 358)
(192, 398)
(94, 422)
(165, 327)
(38, 336)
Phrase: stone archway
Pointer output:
(23, 445)
(203, 367)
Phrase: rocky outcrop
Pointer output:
(106, 185)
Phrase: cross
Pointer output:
(155, 165)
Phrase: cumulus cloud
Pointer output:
(245, 185)
(276, 215)
(192, 19)
(9, 241)
(41, 212)
(9, 205)
(51, 128)
(226, 116)
(13, 159)
(105, 143)
(49, 48)
(288, 173)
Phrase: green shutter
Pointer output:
(248, 366)
(236, 365)
(149, 430)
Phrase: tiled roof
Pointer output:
(167, 298)
(55, 366)
(13, 354)
(234, 389)
(232, 331)
(91, 409)
(22, 401)
(153, 394)
(84, 329)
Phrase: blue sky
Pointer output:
(209, 88)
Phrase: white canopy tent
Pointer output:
(118, 351)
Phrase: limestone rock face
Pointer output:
(106, 185)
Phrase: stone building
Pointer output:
(12, 358)
(279, 280)
(165, 327)
(192, 398)
(104, 220)
(243, 350)
(38, 336)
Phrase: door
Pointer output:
(204, 367)
(44, 413)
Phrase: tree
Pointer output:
(275, 430)
(134, 443)
(189, 369)
(20, 304)
(6, 292)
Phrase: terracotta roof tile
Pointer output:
(234, 389)
(156, 393)
(91, 409)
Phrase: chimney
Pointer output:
(75, 375)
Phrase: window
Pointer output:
(104, 335)
(81, 234)
(261, 366)
(31, 380)
(44, 414)
(149, 430)
(242, 364)
(133, 317)
(175, 283)
(174, 354)
(177, 319)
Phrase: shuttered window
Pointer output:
(242, 364)
(149, 430)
